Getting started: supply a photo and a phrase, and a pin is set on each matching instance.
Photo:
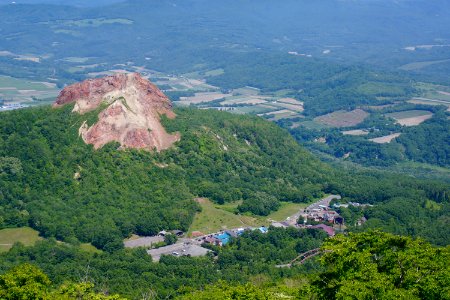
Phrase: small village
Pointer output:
(320, 213)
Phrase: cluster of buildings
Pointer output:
(325, 217)
(223, 237)
(12, 106)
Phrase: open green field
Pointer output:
(283, 93)
(437, 95)
(286, 210)
(408, 114)
(432, 94)
(24, 235)
(421, 64)
(24, 91)
(311, 125)
(248, 91)
(215, 72)
(89, 248)
(254, 109)
(285, 115)
(214, 217)
(23, 84)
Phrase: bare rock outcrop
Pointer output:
(131, 114)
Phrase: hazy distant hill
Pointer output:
(86, 3)
(370, 31)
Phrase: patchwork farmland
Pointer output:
(410, 117)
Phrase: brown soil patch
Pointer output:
(414, 121)
(202, 97)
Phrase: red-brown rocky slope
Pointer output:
(133, 106)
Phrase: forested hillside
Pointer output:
(65, 189)
(55, 183)
(358, 266)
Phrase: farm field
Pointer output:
(310, 125)
(356, 132)
(422, 64)
(290, 101)
(285, 115)
(202, 97)
(292, 107)
(14, 90)
(343, 118)
(247, 91)
(410, 117)
(253, 109)
(24, 235)
(385, 139)
(215, 72)
(252, 100)
(433, 91)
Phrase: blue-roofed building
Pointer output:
(263, 229)
(224, 238)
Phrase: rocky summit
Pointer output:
(131, 115)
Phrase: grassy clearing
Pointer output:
(433, 91)
(312, 125)
(408, 114)
(342, 118)
(216, 72)
(25, 235)
(89, 248)
(213, 218)
(18, 90)
(247, 91)
(422, 64)
(22, 84)
(254, 109)
(286, 210)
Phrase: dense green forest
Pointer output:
(103, 196)
(359, 266)
(132, 273)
